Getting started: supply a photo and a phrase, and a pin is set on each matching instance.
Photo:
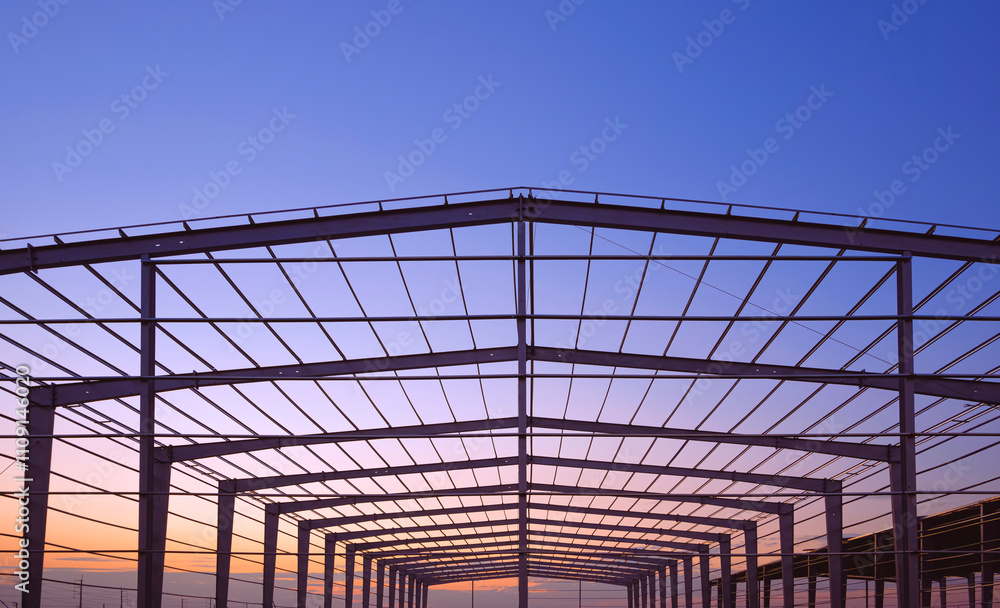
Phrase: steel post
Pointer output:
(392, 586)
(302, 571)
(834, 512)
(152, 508)
(522, 413)
(329, 559)
(224, 542)
(750, 547)
(903, 474)
(41, 425)
(349, 558)
(786, 536)
(379, 584)
(366, 581)
(271, 517)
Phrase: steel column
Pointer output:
(688, 582)
(409, 591)
(152, 507)
(706, 581)
(989, 546)
(811, 592)
(725, 582)
(903, 474)
(663, 582)
(786, 536)
(329, 559)
(379, 584)
(834, 511)
(349, 575)
(628, 592)
(522, 413)
(402, 588)
(366, 581)
(652, 589)
(41, 425)
(643, 593)
(224, 542)
(302, 587)
(426, 593)
(271, 517)
(750, 547)
(392, 586)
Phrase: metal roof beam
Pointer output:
(863, 451)
(986, 392)
(99, 390)
(495, 211)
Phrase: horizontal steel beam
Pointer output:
(178, 453)
(509, 489)
(566, 565)
(774, 508)
(684, 548)
(494, 211)
(356, 499)
(73, 393)
(355, 535)
(986, 392)
(799, 483)
(278, 481)
(319, 229)
(762, 229)
(863, 451)
(81, 392)
(494, 547)
(580, 552)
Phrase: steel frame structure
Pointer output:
(647, 540)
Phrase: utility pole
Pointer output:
(78, 592)
(581, 593)
(473, 593)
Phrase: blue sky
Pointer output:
(123, 113)
(686, 112)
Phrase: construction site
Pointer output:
(649, 401)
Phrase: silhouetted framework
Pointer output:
(774, 382)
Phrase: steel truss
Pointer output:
(528, 524)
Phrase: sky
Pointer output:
(267, 106)
(124, 113)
